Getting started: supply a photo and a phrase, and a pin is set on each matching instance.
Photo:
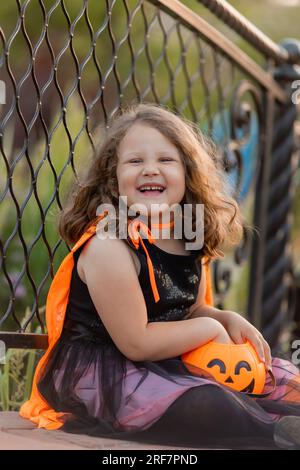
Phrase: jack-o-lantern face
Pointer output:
(234, 365)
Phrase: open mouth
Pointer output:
(149, 190)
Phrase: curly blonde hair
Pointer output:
(204, 178)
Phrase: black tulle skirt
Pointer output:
(162, 402)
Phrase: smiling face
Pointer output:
(146, 158)
(235, 365)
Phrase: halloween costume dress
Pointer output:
(84, 384)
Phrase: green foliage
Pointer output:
(16, 375)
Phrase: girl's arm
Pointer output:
(208, 311)
(238, 328)
(163, 340)
(114, 287)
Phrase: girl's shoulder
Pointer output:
(106, 249)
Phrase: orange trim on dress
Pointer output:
(36, 409)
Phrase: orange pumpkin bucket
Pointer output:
(234, 365)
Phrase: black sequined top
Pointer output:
(177, 279)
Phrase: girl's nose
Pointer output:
(150, 170)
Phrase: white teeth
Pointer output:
(151, 188)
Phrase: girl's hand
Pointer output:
(240, 330)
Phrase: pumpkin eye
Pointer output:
(240, 365)
(217, 362)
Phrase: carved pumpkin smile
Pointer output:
(249, 388)
(235, 365)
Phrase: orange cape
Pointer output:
(36, 409)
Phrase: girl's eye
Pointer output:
(166, 159)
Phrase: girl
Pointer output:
(122, 310)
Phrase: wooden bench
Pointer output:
(17, 433)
